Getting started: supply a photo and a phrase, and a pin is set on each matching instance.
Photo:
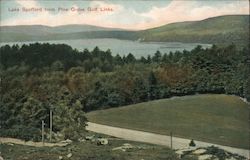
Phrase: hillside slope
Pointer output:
(222, 29)
(216, 30)
(218, 119)
(41, 32)
(42, 29)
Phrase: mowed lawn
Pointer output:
(219, 119)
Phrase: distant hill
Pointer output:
(216, 30)
(26, 29)
(222, 29)
(41, 29)
(72, 28)
(41, 32)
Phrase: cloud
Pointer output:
(28, 3)
(128, 18)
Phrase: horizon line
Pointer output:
(110, 27)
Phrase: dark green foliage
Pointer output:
(157, 57)
(38, 77)
(192, 144)
(215, 70)
(23, 132)
(140, 91)
(130, 58)
(153, 89)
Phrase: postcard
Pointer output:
(124, 80)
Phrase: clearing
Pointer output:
(219, 119)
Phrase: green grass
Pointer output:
(88, 151)
(219, 119)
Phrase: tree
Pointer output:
(57, 66)
(68, 115)
(96, 52)
(149, 60)
(143, 60)
(153, 91)
(130, 58)
(165, 58)
(39, 77)
(33, 112)
(106, 66)
(157, 57)
(140, 91)
(118, 60)
(114, 99)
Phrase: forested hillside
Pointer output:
(38, 77)
(220, 30)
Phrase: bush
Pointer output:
(22, 132)
(192, 144)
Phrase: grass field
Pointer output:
(219, 119)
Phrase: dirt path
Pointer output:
(153, 138)
(30, 143)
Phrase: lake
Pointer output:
(123, 47)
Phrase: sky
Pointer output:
(130, 14)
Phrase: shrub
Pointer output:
(192, 144)
(22, 132)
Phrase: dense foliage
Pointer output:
(37, 78)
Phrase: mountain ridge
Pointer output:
(221, 29)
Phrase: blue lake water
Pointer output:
(123, 47)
